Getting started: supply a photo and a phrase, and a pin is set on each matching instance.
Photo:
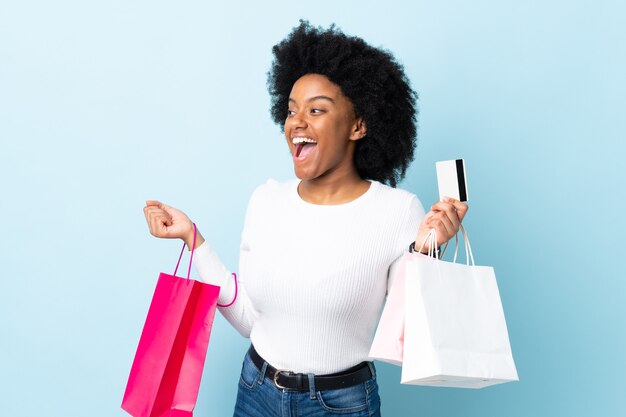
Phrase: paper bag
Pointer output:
(455, 333)
(165, 376)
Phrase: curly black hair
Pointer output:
(370, 77)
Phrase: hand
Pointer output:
(169, 223)
(445, 217)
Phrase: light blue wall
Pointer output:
(104, 104)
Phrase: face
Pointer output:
(321, 129)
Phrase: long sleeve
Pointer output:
(241, 314)
(412, 219)
(313, 278)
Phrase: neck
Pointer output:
(330, 190)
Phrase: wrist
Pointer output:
(424, 250)
(189, 240)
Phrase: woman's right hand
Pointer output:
(169, 223)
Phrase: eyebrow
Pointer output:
(315, 98)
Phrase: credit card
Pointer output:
(451, 179)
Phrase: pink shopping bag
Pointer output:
(165, 376)
(388, 344)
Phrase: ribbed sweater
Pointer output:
(313, 278)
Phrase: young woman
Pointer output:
(318, 252)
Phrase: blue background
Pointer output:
(105, 104)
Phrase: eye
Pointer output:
(317, 111)
(290, 113)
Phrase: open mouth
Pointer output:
(304, 146)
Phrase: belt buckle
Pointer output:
(276, 374)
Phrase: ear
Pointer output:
(359, 129)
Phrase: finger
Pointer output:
(428, 216)
(441, 231)
(150, 209)
(159, 225)
(165, 219)
(147, 216)
(461, 207)
(163, 206)
(461, 210)
(154, 211)
(430, 221)
(152, 223)
(171, 211)
(443, 226)
(156, 203)
(450, 211)
(157, 219)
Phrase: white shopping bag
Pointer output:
(388, 342)
(455, 333)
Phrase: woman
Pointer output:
(317, 252)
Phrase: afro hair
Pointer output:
(370, 77)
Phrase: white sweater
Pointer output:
(313, 278)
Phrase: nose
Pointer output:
(296, 121)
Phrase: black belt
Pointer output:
(300, 382)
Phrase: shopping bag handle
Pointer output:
(193, 247)
(468, 248)
(195, 232)
(431, 238)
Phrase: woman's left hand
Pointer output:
(445, 217)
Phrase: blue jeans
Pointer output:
(259, 397)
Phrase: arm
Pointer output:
(240, 314)
(413, 216)
(167, 222)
